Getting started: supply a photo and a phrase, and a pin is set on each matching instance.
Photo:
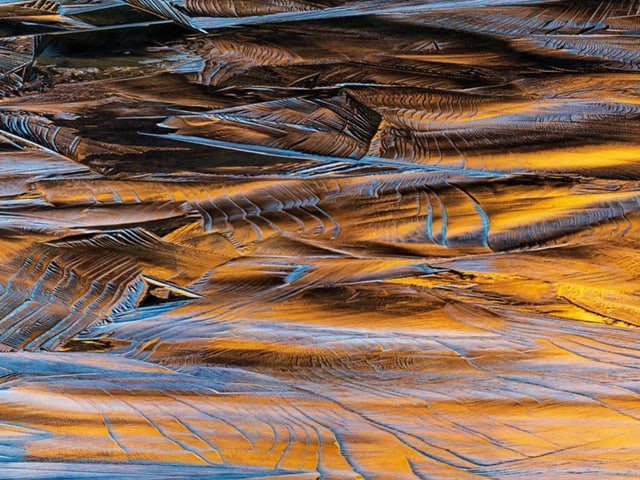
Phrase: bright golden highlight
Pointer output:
(327, 239)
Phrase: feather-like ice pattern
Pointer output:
(16, 59)
(41, 132)
(165, 9)
(51, 294)
(242, 8)
(339, 126)
(319, 239)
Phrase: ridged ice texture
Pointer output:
(319, 239)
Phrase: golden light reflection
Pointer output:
(339, 239)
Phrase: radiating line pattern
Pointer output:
(319, 239)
